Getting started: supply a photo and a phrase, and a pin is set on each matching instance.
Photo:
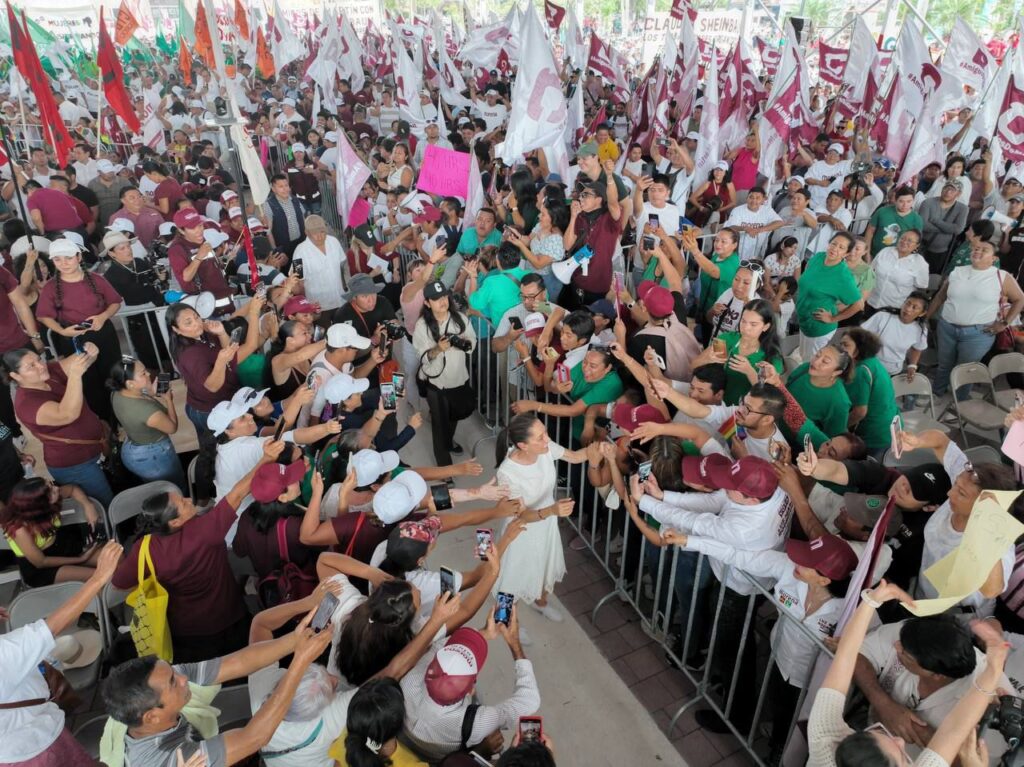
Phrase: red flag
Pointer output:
(204, 44)
(264, 58)
(126, 24)
(599, 119)
(678, 6)
(1010, 127)
(241, 20)
(113, 80)
(503, 65)
(831, 63)
(250, 255)
(184, 60)
(770, 56)
(553, 14)
(600, 59)
(30, 68)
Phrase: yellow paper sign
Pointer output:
(989, 533)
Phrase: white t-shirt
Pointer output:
(668, 217)
(30, 730)
(751, 246)
(973, 295)
(897, 337)
(494, 116)
(235, 459)
(821, 170)
(896, 277)
(427, 581)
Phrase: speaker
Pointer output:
(803, 27)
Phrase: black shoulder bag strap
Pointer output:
(468, 719)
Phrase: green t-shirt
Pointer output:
(872, 386)
(498, 293)
(711, 288)
(469, 243)
(889, 225)
(607, 389)
(823, 287)
(651, 273)
(253, 371)
(864, 276)
(737, 384)
(828, 407)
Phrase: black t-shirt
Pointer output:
(11, 470)
(1011, 262)
(868, 477)
(86, 195)
(637, 345)
(365, 323)
(135, 283)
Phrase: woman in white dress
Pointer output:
(534, 561)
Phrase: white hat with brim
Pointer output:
(112, 239)
(123, 225)
(64, 248)
(370, 465)
(77, 649)
(223, 414)
(399, 497)
(344, 336)
(21, 245)
(249, 397)
(204, 303)
(342, 386)
(214, 237)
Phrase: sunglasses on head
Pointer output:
(754, 266)
(127, 366)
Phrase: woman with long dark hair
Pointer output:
(715, 194)
(168, 191)
(755, 343)
(871, 393)
(376, 716)
(290, 358)
(444, 339)
(518, 207)
(47, 552)
(544, 246)
(77, 305)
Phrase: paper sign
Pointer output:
(444, 172)
(864, 574)
(1013, 445)
(990, 532)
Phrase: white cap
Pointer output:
(370, 465)
(288, 102)
(534, 321)
(166, 229)
(342, 386)
(720, 165)
(693, 136)
(64, 248)
(399, 497)
(298, 148)
(249, 397)
(215, 237)
(105, 166)
(21, 246)
(122, 225)
(234, 212)
(344, 335)
(837, 148)
(196, 104)
(331, 136)
(177, 91)
(74, 237)
(223, 414)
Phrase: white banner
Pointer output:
(720, 27)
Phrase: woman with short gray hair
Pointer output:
(323, 261)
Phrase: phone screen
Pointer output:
(163, 383)
(503, 610)
(654, 221)
(442, 499)
(279, 429)
(643, 471)
(447, 581)
(896, 432)
(484, 536)
(323, 613)
(516, 323)
(297, 269)
(236, 335)
(387, 394)
(808, 445)
(398, 379)
(77, 344)
(530, 729)
(760, 373)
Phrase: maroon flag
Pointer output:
(553, 14)
(681, 6)
(31, 69)
(503, 65)
(113, 80)
(831, 63)
(599, 119)
(770, 56)
(1010, 127)
(600, 59)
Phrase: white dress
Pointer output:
(534, 562)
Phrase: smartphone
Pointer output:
(75, 342)
(237, 335)
(530, 729)
(551, 353)
(516, 323)
(260, 291)
(323, 613)
(398, 381)
(718, 347)
(643, 471)
(896, 432)
(297, 269)
(447, 581)
(775, 450)
(83, 326)
(647, 242)
(562, 374)
(440, 242)
(387, 395)
(808, 445)
(685, 225)
(484, 538)
(602, 422)
(503, 610)
(163, 383)
(279, 429)
(760, 373)
(654, 221)
(318, 333)
(442, 498)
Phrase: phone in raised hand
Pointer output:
(237, 335)
(388, 396)
(531, 729)
(809, 446)
(503, 610)
(484, 537)
(323, 613)
(447, 581)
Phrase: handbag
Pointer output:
(288, 583)
(1004, 338)
(148, 627)
(61, 692)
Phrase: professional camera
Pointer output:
(395, 330)
(859, 169)
(459, 342)
(458, 302)
(1007, 716)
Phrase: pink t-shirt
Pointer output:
(744, 170)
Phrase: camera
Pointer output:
(395, 330)
(1007, 716)
(458, 342)
(859, 168)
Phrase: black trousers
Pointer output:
(94, 380)
(442, 425)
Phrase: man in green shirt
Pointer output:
(499, 292)
(483, 232)
(888, 222)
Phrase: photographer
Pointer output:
(367, 312)
(444, 338)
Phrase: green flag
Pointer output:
(186, 24)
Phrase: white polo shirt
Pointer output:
(30, 730)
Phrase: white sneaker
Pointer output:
(524, 638)
(549, 612)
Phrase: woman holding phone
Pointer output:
(534, 562)
(76, 306)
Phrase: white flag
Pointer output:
(451, 81)
(350, 176)
(576, 50)
(539, 111)
(863, 59)
(476, 198)
(350, 64)
(408, 82)
(708, 149)
(285, 45)
(966, 59)
(259, 186)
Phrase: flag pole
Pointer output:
(8, 148)
(99, 106)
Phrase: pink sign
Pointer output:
(444, 172)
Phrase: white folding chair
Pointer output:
(919, 387)
(128, 503)
(1001, 365)
(10, 574)
(35, 604)
(979, 413)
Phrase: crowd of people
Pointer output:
(708, 362)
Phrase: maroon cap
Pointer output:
(452, 673)
(430, 213)
(751, 476)
(627, 417)
(702, 469)
(658, 301)
(299, 305)
(830, 555)
(187, 218)
(272, 479)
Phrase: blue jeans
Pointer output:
(88, 476)
(959, 344)
(154, 461)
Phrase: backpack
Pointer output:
(680, 347)
(290, 582)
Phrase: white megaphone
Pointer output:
(1000, 219)
(564, 270)
(204, 303)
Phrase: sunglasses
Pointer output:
(969, 469)
(754, 266)
(127, 367)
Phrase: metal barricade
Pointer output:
(142, 333)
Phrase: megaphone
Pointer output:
(564, 270)
(204, 303)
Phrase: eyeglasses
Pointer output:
(532, 296)
(879, 727)
(747, 408)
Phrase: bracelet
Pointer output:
(865, 595)
(989, 693)
(36, 337)
(911, 367)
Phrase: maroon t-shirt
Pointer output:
(602, 235)
(263, 550)
(78, 300)
(192, 564)
(368, 534)
(56, 208)
(12, 335)
(195, 362)
(209, 276)
(86, 427)
(170, 190)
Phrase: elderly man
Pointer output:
(107, 186)
(323, 261)
(145, 219)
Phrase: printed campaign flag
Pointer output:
(350, 176)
